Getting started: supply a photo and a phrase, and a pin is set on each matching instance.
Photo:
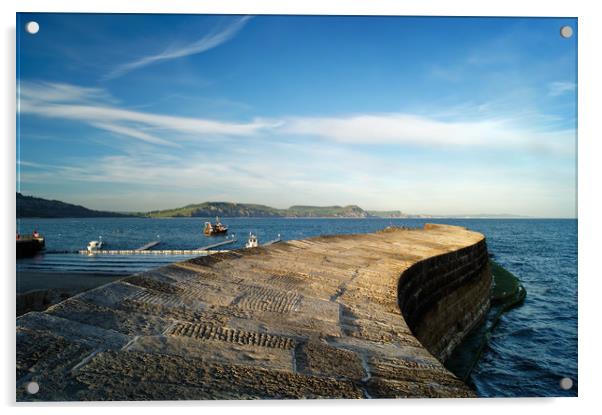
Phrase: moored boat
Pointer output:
(94, 246)
(30, 245)
(252, 242)
(216, 228)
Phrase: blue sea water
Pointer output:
(532, 348)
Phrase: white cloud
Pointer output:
(407, 129)
(96, 108)
(201, 45)
(559, 88)
(132, 132)
(90, 106)
(60, 92)
(321, 174)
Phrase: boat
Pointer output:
(94, 246)
(216, 228)
(30, 245)
(252, 242)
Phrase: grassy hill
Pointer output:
(35, 207)
(224, 209)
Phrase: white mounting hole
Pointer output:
(566, 383)
(32, 388)
(566, 31)
(32, 27)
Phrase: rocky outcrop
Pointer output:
(347, 316)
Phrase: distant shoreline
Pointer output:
(39, 208)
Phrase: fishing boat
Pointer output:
(252, 242)
(94, 246)
(216, 228)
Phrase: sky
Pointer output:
(426, 115)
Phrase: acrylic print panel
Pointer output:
(287, 207)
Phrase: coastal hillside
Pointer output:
(36, 207)
(350, 211)
(225, 209)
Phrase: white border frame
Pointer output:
(590, 31)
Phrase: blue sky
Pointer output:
(424, 115)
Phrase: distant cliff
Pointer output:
(225, 209)
(351, 211)
(35, 207)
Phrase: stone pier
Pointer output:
(346, 316)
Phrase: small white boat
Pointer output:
(252, 242)
(94, 246)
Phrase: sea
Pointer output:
(530, 351)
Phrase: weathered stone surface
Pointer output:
(348, 316)
(320, 359)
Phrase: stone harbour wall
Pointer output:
(344, 316)
(443, 297)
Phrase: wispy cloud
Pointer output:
(132, 132)
(91, 106)
(408, 129)
(322, 173)
(559, 88)
(201, 45)
(61, 93)
(97, 109)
